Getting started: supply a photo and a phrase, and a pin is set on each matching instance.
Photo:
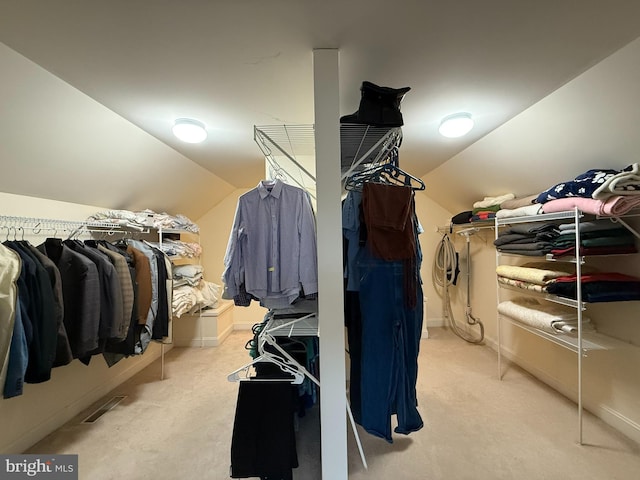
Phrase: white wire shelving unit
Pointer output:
(582, 343)
(290, 150)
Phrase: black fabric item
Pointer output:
(263, 442)
(353, 320)
(379, 106)
(462, 218)
(40, 309)
(161, 324)
(64, 356)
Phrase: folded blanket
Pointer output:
(598, 291)
(584, 185)
(603, 241)
(532, 228)
(511, 282)
(626, 182)
(518, 202)
(512, 238)
(483, 216)
(541, 252)
(543, 315)
(587, 251)
(489, 201)
(535, 272)
(617, 205)
(532, 245)
(599, 277)
(593, 226)
(490, 209)
(520, 211)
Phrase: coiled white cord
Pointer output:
(443, 275)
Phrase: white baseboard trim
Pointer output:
(431, 323)
(68, 412)
(436, 322)
(611, 417)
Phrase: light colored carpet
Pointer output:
(476, 427)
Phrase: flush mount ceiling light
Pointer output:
(189, 130)
(456, 125)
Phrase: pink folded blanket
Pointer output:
(616, 205)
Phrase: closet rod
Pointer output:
(34, 223)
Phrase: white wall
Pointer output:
(73, 388)
(215, 226)
(431, 216)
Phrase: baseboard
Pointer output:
(611, 417)
(68, 412)
(436, 322)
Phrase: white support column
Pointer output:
(330, 297)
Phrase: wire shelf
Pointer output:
(290, 150)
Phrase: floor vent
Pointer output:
(104, 409)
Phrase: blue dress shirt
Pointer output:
(272, 246)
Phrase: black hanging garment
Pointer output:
(263, 443)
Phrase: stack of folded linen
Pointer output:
(178, 248)
(531, 239)
(599, 191)
(486, 209)
(144, 219)
(550, 317)
(189, 299)
(187, 275)
(519, 207)
(597, 287)
(534, 276)
(598, 237)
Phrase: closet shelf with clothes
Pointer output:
(554, 273)
(78, 299)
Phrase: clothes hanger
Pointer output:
(297, 379)
(388, 173)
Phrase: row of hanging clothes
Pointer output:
(276, 389)
(271, 259)
(66, 299)
(383, 296)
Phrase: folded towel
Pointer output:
(489, 201)
(626, 182)
(533, 209)
(518, 202)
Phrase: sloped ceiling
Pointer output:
(591, 122)
(237, 63)
(57, 143)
